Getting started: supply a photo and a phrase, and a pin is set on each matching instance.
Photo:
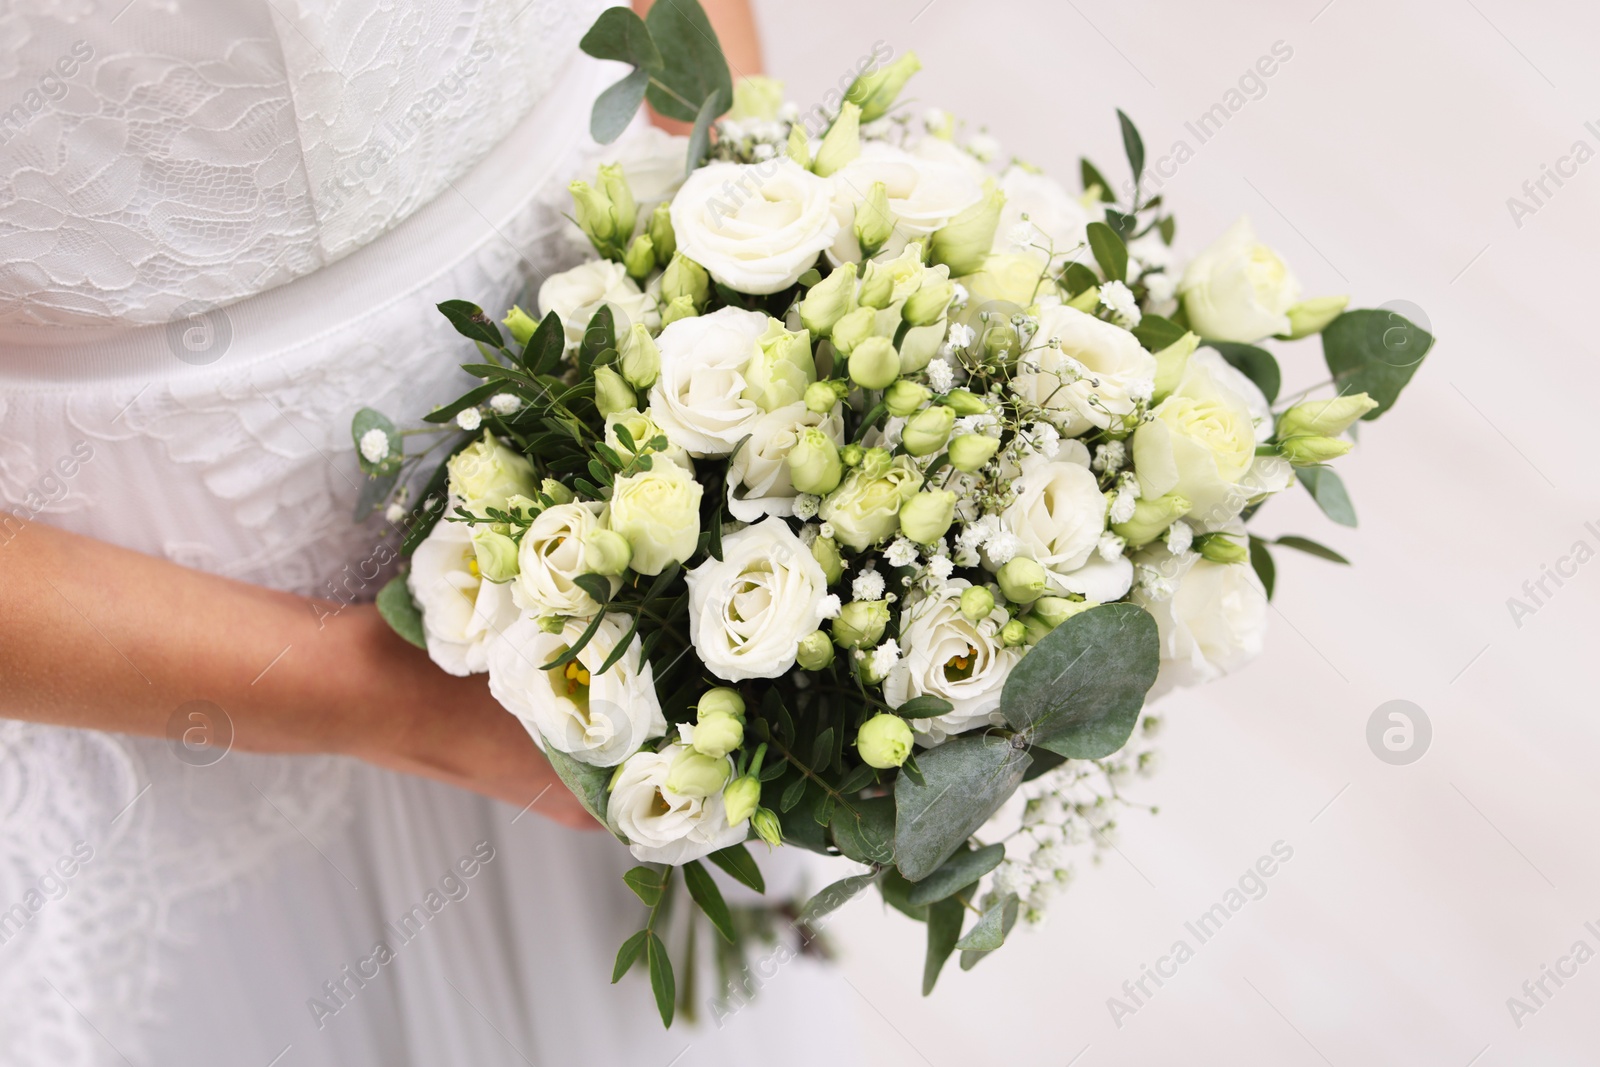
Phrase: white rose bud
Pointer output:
(611, 393)
(874, 364)
(717, 735)
(781, 368)
(814, 465)
(638, 357)
(865, 509)
(658, 511)
(927, 516)
(486, 474)
(1238, 289)
(608, 552)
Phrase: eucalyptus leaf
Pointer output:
(944, 930)
(1079, 690)
(896, 893)
(835, 896)
(693, 66)
(587, 782)
(989, 932)
(621, 35)
(1310, 547)
(1327, 489)
(965, 780)
(615, 107)
(400, 611)
(865, 831)
(1109, 251)
(700, 136)
(1261, 561)
(365, 421)
(374, 491)
(959, 870)
(1374, 352)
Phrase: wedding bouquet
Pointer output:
(857, 484)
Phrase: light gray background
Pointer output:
(1379, 163)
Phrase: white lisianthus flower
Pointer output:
(924, 195)
(945, 654)
(1089, 370)
(1057, 517)
(1213, 622)
(698, 396)
(748, 611)
(1056, 218)
(552, 554)
(1238, 289)
(754, 227)
(599, 719)
(462, 615)
(486, 473)
(658, 511)
(1200, 444)
(758, 478)
(577, 294)
(662, 825)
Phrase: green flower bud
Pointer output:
(1052, 611)
(799, 146)
(595, 215)
(1013, 633)
(823, 397)
(1220, 548)
(861, 623)
(552, 624)
(495, 555)
(756, 97)
(905, 396)
(825, 550)
(607, 552)
(964, 242)
(720, 701)
(841, 143)
(920, 345)
(925, 517)
(966, 403)
(1324, 418)
(1309, 450)
(1171, 362)
(696, 775)
(1151, 517)
(555, 491)
(976, 603)
(865, 509)
(640, 259)
(765, 823)
(781, 369)
(874, 224)
(814, 465)
(927, 305)
(717, 735)
(1313, 316)
(681, 308)
(520, 324)
(854, 328)
(684, 277)
(972, 450)
(1022, 580)
(614, 187)
(876, 90)
(927, 431)
(815, 651)
(884, 741)
(885, 282)
(741, 798)
(875, 463)
(638, 357)
(829, 300)
(611, 393)
(661, 233)
(852, 455)
(874, 364)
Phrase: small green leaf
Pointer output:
(820, 749)
(472, 398)
(835, 896)
(470, 322)
(587, 782)
(542, 354)
(621, 35)
(1133, 144)
(693, 66)
(1375, 352)
(628, 954)
(400, 611)
(1156, 333)
(791, 796)
(737, 863)
(365, 421)
(709, 897)
(959, 870)
(661, 982)
(944, 930)
(646, 883)
(1109, 251)
(1254, 363)
(1305, 544)
(989, 933)
(856, 779)
(1327, 489)
(577, 646)
(598, 586)
(896, 893)
(1092, 177)
(1077, 278)
(600, 336)
(1261, 560)
(924, 707)
(1168, 228)
(700, 136)
(615, 107)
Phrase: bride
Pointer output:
(242, 821)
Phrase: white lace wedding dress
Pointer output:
(223, 227)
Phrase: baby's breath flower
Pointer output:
(868, 585)
(375, 445)
(1110, 546)
(469, 419)
(1110, 456)
(505, 403)
(940, 377)
(805, 506)
(830, 606)
(901, 553)
(1119, 298)
(1179, 537)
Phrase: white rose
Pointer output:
(461, 613)
(577, 294)
(698, 396)
(754, 227)
(1058, 515)
(599, 719)
(658, 511)
(945, 654)
(748, 612)
(552, 554)
(1200, 444)
(1238, 289)
(1211, 625)
(486, 473)
(1092, 372)
(758, 477)
(660, 825)
(924, 195)
(1056, 219)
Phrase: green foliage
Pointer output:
(1133, 144)
(961, 869)
(705, 893)
(737, 863)
(1374, 352)
(1156, 332)
(621, 35)
(1261, 561)
(944, 930)
(965, 780)
(835, 896)
(470, 322)
(1310, 547)
(1327, 489)
(1254, 363)
(1109, 251)
(990, 931)
(366, 420)
(587, 782)
(397, 609)
(693, 67)
(1092, 178)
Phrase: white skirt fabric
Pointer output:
(157, 912)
